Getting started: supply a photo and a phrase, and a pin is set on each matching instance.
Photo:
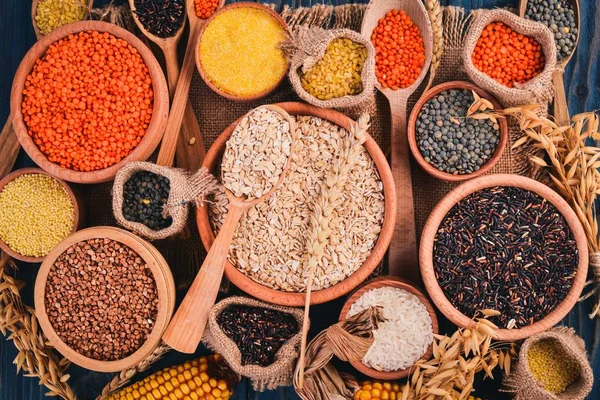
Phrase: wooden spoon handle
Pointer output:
(190, 150)
(185, 330)
(403, 257)
(560, 107)
(178, 107)
(9, 148)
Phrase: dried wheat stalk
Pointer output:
(36, 356)
(330, 199)
(457, 359)
(124, 377)
(436, 17)
(573, 169)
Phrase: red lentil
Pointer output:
(88, 101)
(507, 56)
(399, 50)
(205, 8)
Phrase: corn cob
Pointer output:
(201, 379)
(380, 390)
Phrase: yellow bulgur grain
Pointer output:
(239, 51)
(552, 366)
(51, 14)
(36, 213)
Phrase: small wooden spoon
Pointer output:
(178, 106)
(403, 255)
(9, 148)
(560, 106)
(34, 5)
(190, 151)
(187, 326)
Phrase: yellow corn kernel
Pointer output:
(183, 382)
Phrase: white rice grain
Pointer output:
(404, 338)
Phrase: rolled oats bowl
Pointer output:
(267, 258)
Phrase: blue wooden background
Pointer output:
(582, 80)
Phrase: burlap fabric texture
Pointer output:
(307, 46)
(280, 372)
(538, 89)
(523, 385)
(185, 188)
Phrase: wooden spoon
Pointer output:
(560, 106)
(9, 148)
(178, 106)
(34, 5)
(190, 146)
(187, 326)
(403, 255)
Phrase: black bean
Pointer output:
(143, 200)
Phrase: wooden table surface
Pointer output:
(582, 80)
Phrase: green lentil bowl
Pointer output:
(44, 228)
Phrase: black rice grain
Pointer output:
(507, 249)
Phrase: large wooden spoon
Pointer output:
(178, 106)
(190, 146)
(187, 326)
(403, 254)
(560, 106)
(34, 5)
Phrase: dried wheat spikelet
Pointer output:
(36, 356)
(457, 359)
(572, 169)
(436, 17)
(329, 200)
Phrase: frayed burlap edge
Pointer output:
(523, 385)
(279, 373)
(307, 46)
(184, 189)
(538, 89)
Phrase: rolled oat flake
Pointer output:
(257, 153)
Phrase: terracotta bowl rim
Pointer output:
(412, 139)
(400, 283)
(162, 277)
(441, 209)
(38, 171)
(157, 123)
(296, 299)
(209, 83)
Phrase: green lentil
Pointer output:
(52, 14)
(36, 213)
(338, 73)
(552, 366)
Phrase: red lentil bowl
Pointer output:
(154, 131)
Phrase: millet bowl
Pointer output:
(164, 283)
(36, 171)
(213, 159)
(443, 207)
(390, 281)
(412, 137)
(159, 113)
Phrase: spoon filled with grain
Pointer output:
(254, 165)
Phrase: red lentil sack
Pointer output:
(523, 385)
(185, 188)
(536, 90)
(308, 46)
(280, 371)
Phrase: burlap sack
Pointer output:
(307, 47)
(538, 89)
(523, 385)
(263, 378)
(185, 188)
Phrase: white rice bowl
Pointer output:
(406, 334)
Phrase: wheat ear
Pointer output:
(330, 198)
